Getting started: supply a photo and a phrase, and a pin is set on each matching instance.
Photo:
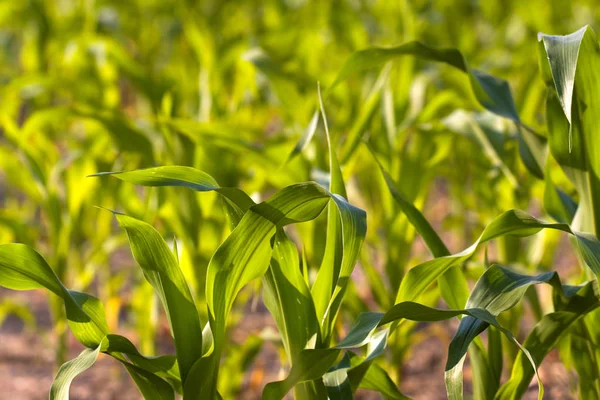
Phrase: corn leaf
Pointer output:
(151, 386)
(22, 268)
(375, 378)
(514, 222)
(491, 92)
(69, 370)
(337, 382)
(453, 283)
(546, 334)
(498, 290)
(245, 255)
(191, 178)
(246, 252)
(288, 298)
(327, 357)
(306, 137)
(569, 66)
(346, 230)
(162, 271)
(310, 365)
(486, 373)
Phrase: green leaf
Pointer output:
(288, 298)
(358, 335)
(185, 177)
(364, 117)
(150, 385)
(346, 230)
(307, 367)
(22, 268)
(434, 243)
(377, 379)
(306, 137)
(557, 203)
(491, 92)
(162, 366)
(485, 379)
(337, 382)
(546, 334)
(563, 53)
(162, 271)
(246, 253)
(498, 290)
(69, 370)
(569, 66)
(311, 364)
(514, 222)
(453, 282)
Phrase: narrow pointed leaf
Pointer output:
(546, 334)
(162, 271)
(69, 370)
(492, 93)
(184, 177)
(288, 298)
(514, 222)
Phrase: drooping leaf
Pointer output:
(185, 177)
(22, 268)
(492, 93)
(546, 334)
(498, 290)
(514, 222)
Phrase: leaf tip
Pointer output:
(103, 174)
(108, 209)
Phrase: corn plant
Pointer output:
(218, 92)
(242, 257)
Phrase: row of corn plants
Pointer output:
(302, 244)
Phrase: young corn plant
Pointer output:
(197, 290)
(494, 95)
(242, 257)
(569, 67)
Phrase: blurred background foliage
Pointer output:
(229, 87)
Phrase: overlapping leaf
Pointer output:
(514, 222)
(246, 253)
(546, 334)
(491, 92)
(569, 66)
(22, 268)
